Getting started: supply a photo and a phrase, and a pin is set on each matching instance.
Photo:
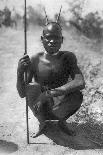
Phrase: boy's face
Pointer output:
(52, 39)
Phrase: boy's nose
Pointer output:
(51, 41)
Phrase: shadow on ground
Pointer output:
(8, 147)
(81, 141)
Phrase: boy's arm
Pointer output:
(24, 64)
(77, 82)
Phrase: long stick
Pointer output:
(25, 43)
(25, 30)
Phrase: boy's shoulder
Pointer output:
(36, 56)
(67, 54)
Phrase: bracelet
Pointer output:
(48, 92)
(20, 75)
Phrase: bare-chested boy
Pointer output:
(56, 76)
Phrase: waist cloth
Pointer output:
(63, 107)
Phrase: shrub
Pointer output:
(35, 17)
(91, 25)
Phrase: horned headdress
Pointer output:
(58, 17)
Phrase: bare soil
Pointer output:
(87, 122)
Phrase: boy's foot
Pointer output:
(64, 126)
(40, 131)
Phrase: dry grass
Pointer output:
(89, 118)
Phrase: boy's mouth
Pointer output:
(52, 45)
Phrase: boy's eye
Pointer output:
(52, 37)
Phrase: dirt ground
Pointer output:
(89, 138)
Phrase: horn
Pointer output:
(46, 17)
(59, 15)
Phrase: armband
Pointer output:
(20, 76)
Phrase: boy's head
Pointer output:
(52, 37)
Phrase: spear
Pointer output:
(25, 52)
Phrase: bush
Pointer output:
(91, 25)
(35, 17)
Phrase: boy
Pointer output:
(58, 80)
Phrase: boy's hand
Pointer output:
(42, 99)
(57, 92)
(23, 64)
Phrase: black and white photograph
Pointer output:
(51, 81)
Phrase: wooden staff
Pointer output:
(25, 44)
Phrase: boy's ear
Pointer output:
(62, 39)
(41, 38)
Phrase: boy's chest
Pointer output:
(46, 66)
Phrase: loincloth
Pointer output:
(63, 107)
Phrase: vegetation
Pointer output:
(91, 25)
(35, 16)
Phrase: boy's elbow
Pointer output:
(21, 95)
(82, 84)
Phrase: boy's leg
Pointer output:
(69, 105)
(41, 121)
(33, 92)
(64, 125)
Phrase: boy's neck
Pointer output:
(51, 55)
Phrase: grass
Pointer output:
(12, 48)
